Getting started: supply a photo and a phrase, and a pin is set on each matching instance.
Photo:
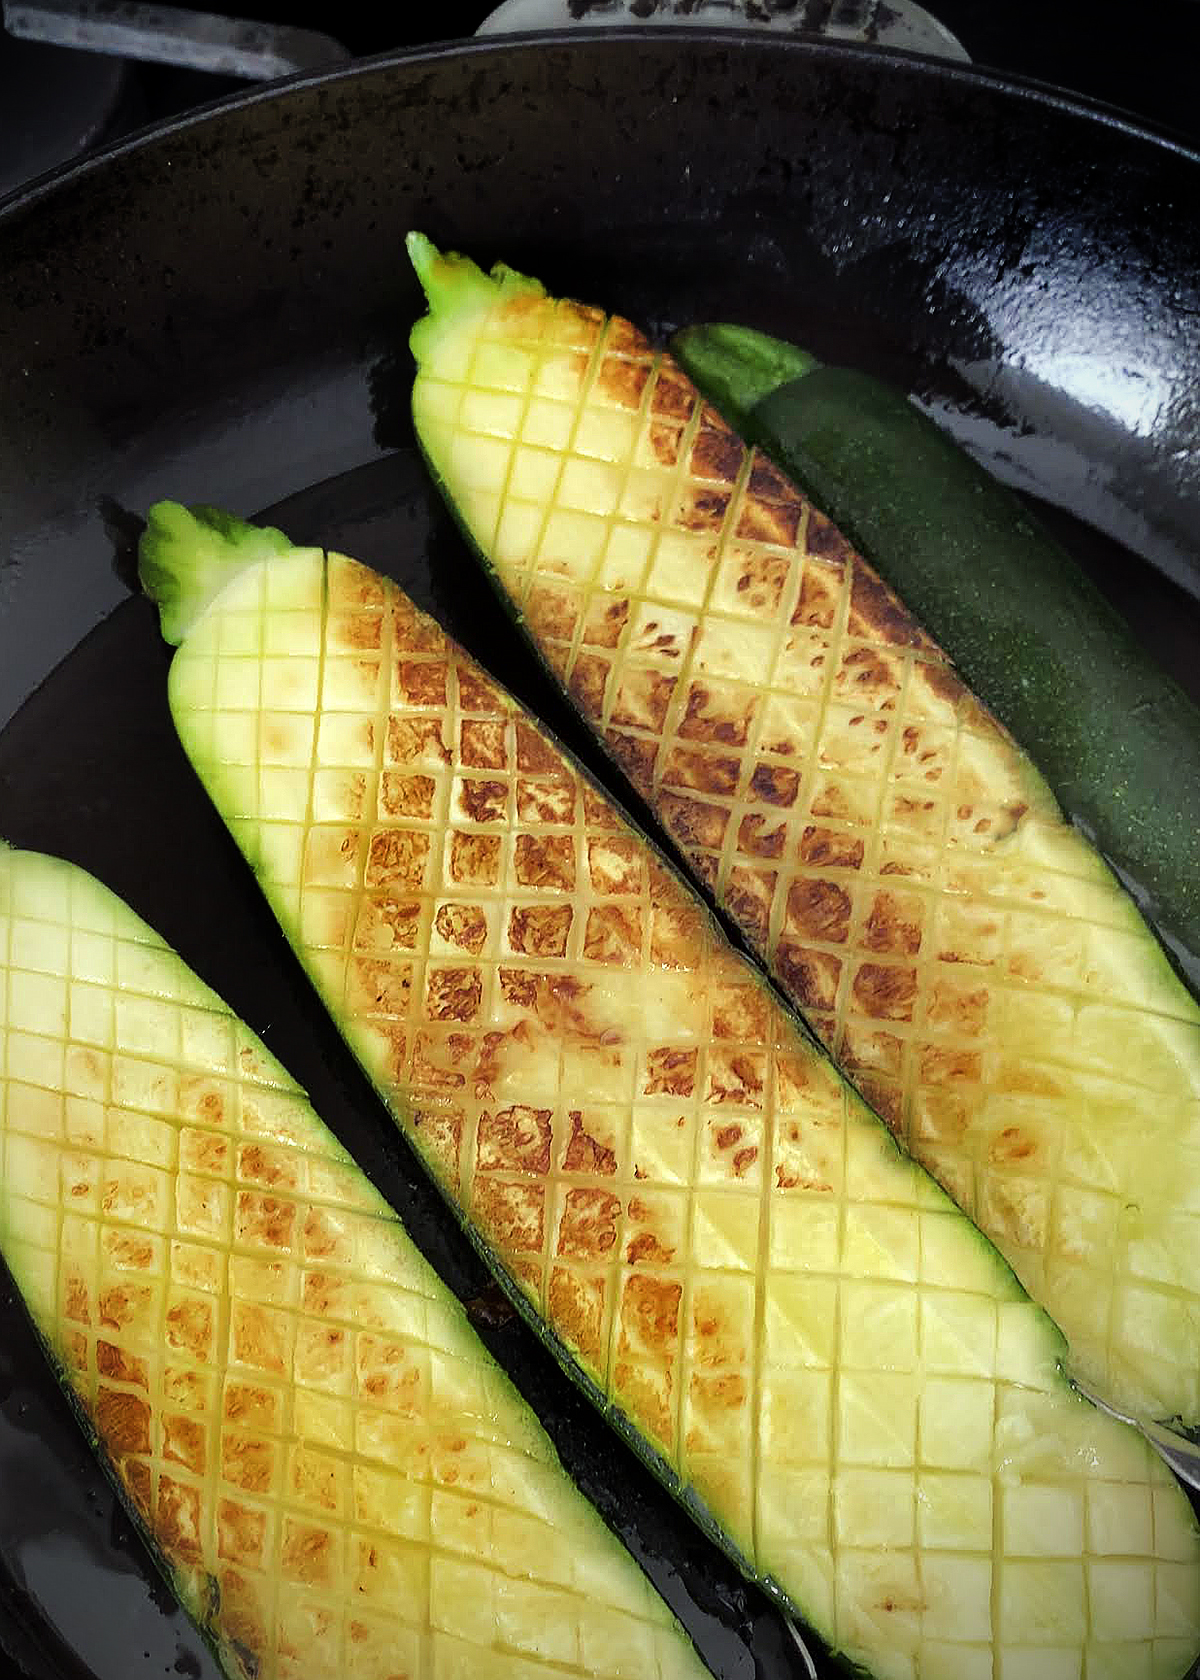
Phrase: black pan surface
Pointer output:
(220, 311)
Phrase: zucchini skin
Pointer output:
(1115, 737)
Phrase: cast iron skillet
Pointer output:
(219, 311)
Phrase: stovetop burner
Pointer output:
(151, 62)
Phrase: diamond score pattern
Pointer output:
(896, 861)
(342, 1482)
(730, 1244)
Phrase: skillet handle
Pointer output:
(223, 46)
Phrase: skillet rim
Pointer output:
(30, 196)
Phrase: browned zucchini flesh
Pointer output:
(334, 1475)
(804, 1336)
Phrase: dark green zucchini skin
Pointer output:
(1116, 738)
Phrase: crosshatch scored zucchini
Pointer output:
(335, 1477)
(901, 868)
(804, 1337)
(1115, 736)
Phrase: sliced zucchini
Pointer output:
(899, 865)
(823, 1358)
(333, 1474)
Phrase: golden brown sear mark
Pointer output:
(811, 977)
(623, 382)
(705, 772)
(761, 836)
(545, 861)
(453, 994)
(819, 909)
(717, 454)
(775, 784)
(701, 508)
(397, 858)
(512, 1214)
(710, 716)
(670, 1072)
(636, 755)
(643, 699)
(878, 615)
(894, 924)
(552, 612)
(483, 744)
(483, 801)
(515, 1139)
(884, 992)
(664, 441)
(587, 682)
(674, 396)
(422, 682)
(123, 1422)
(775, 522)
(588, 1228)
(613, 934)
(829, 848)
(464, 925)
(540, 930)
(474, 859)
(585, 1153)
(577, 1307)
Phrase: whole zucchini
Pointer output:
(897, 862)
(1116, 738)
(817, 1352)
(334, 1475)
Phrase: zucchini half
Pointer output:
(837, 1374)
(898, 864)
(334, 1476)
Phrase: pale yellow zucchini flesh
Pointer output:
(826, 1358)
(894, 859)
(337, 1479)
